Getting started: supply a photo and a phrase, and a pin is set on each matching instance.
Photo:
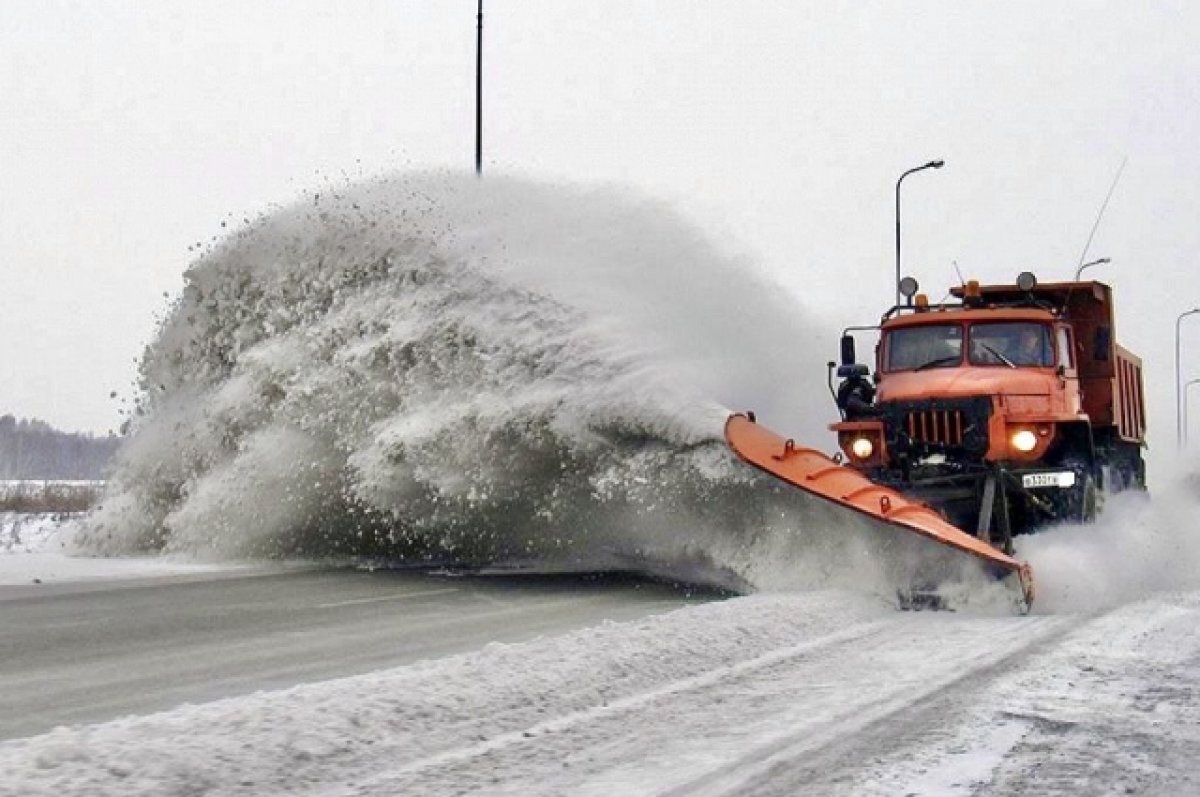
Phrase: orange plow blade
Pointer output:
(814, 472)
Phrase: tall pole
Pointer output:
(1178, 387)
(931, 165)
(479, 90)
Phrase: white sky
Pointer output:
(129, 131)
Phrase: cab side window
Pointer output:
(1065, 354)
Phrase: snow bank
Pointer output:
(29, 532)
(34, 549)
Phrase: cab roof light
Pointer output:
(972, 294)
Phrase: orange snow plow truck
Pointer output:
(1006, 410)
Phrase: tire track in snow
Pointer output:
(812, 698)
(1110, 708)
(888, 722)
(623, 706)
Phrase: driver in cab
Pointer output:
(1024, 346)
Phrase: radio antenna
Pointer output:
(1103, 207)
(961, 281)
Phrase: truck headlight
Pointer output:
(1024, 441)
(862, 448)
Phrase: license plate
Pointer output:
(1063, 479)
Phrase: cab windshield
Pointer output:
(1010, 344)
(1013, 343)
(918, 348)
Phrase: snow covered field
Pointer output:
(33, 550)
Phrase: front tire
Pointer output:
(1081, 503)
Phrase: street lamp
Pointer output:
(1079, 270)
(1178, 389)
(931, 165)
(1187, 395)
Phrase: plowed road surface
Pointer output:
(86, 652)
(816, 693)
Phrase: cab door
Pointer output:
(1067, 369)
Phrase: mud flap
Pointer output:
(814, 472)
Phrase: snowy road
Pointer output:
(361, 683)
(88, 652)
(821, 693)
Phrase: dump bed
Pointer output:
(1128, 400)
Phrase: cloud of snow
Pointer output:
(439, 368)
(1143, 543)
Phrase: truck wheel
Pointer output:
(1079, 504)
(1090, 500)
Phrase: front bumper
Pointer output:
(1018, 500)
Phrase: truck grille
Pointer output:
(943, 427)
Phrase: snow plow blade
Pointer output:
(816, 473)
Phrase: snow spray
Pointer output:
(1143, 543)
(437, 368)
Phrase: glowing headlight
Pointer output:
(1024, 441)
(862, 448)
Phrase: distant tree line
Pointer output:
(32, 449)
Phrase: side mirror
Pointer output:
(848, 357)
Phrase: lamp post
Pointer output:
(1178, 388)
(1187, 394)
(931, 165)
(479, 90)
(1079, 270)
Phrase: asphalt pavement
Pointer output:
(91, 652)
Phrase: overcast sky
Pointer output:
(130, 130)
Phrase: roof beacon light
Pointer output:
(1026, 281)
(972, 294)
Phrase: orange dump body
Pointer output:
(815, 473)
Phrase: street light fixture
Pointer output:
(931, 165)
(1187, 393)
(1178, 388)
(1079, 270)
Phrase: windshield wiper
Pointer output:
(953, 358)
(997, 355)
